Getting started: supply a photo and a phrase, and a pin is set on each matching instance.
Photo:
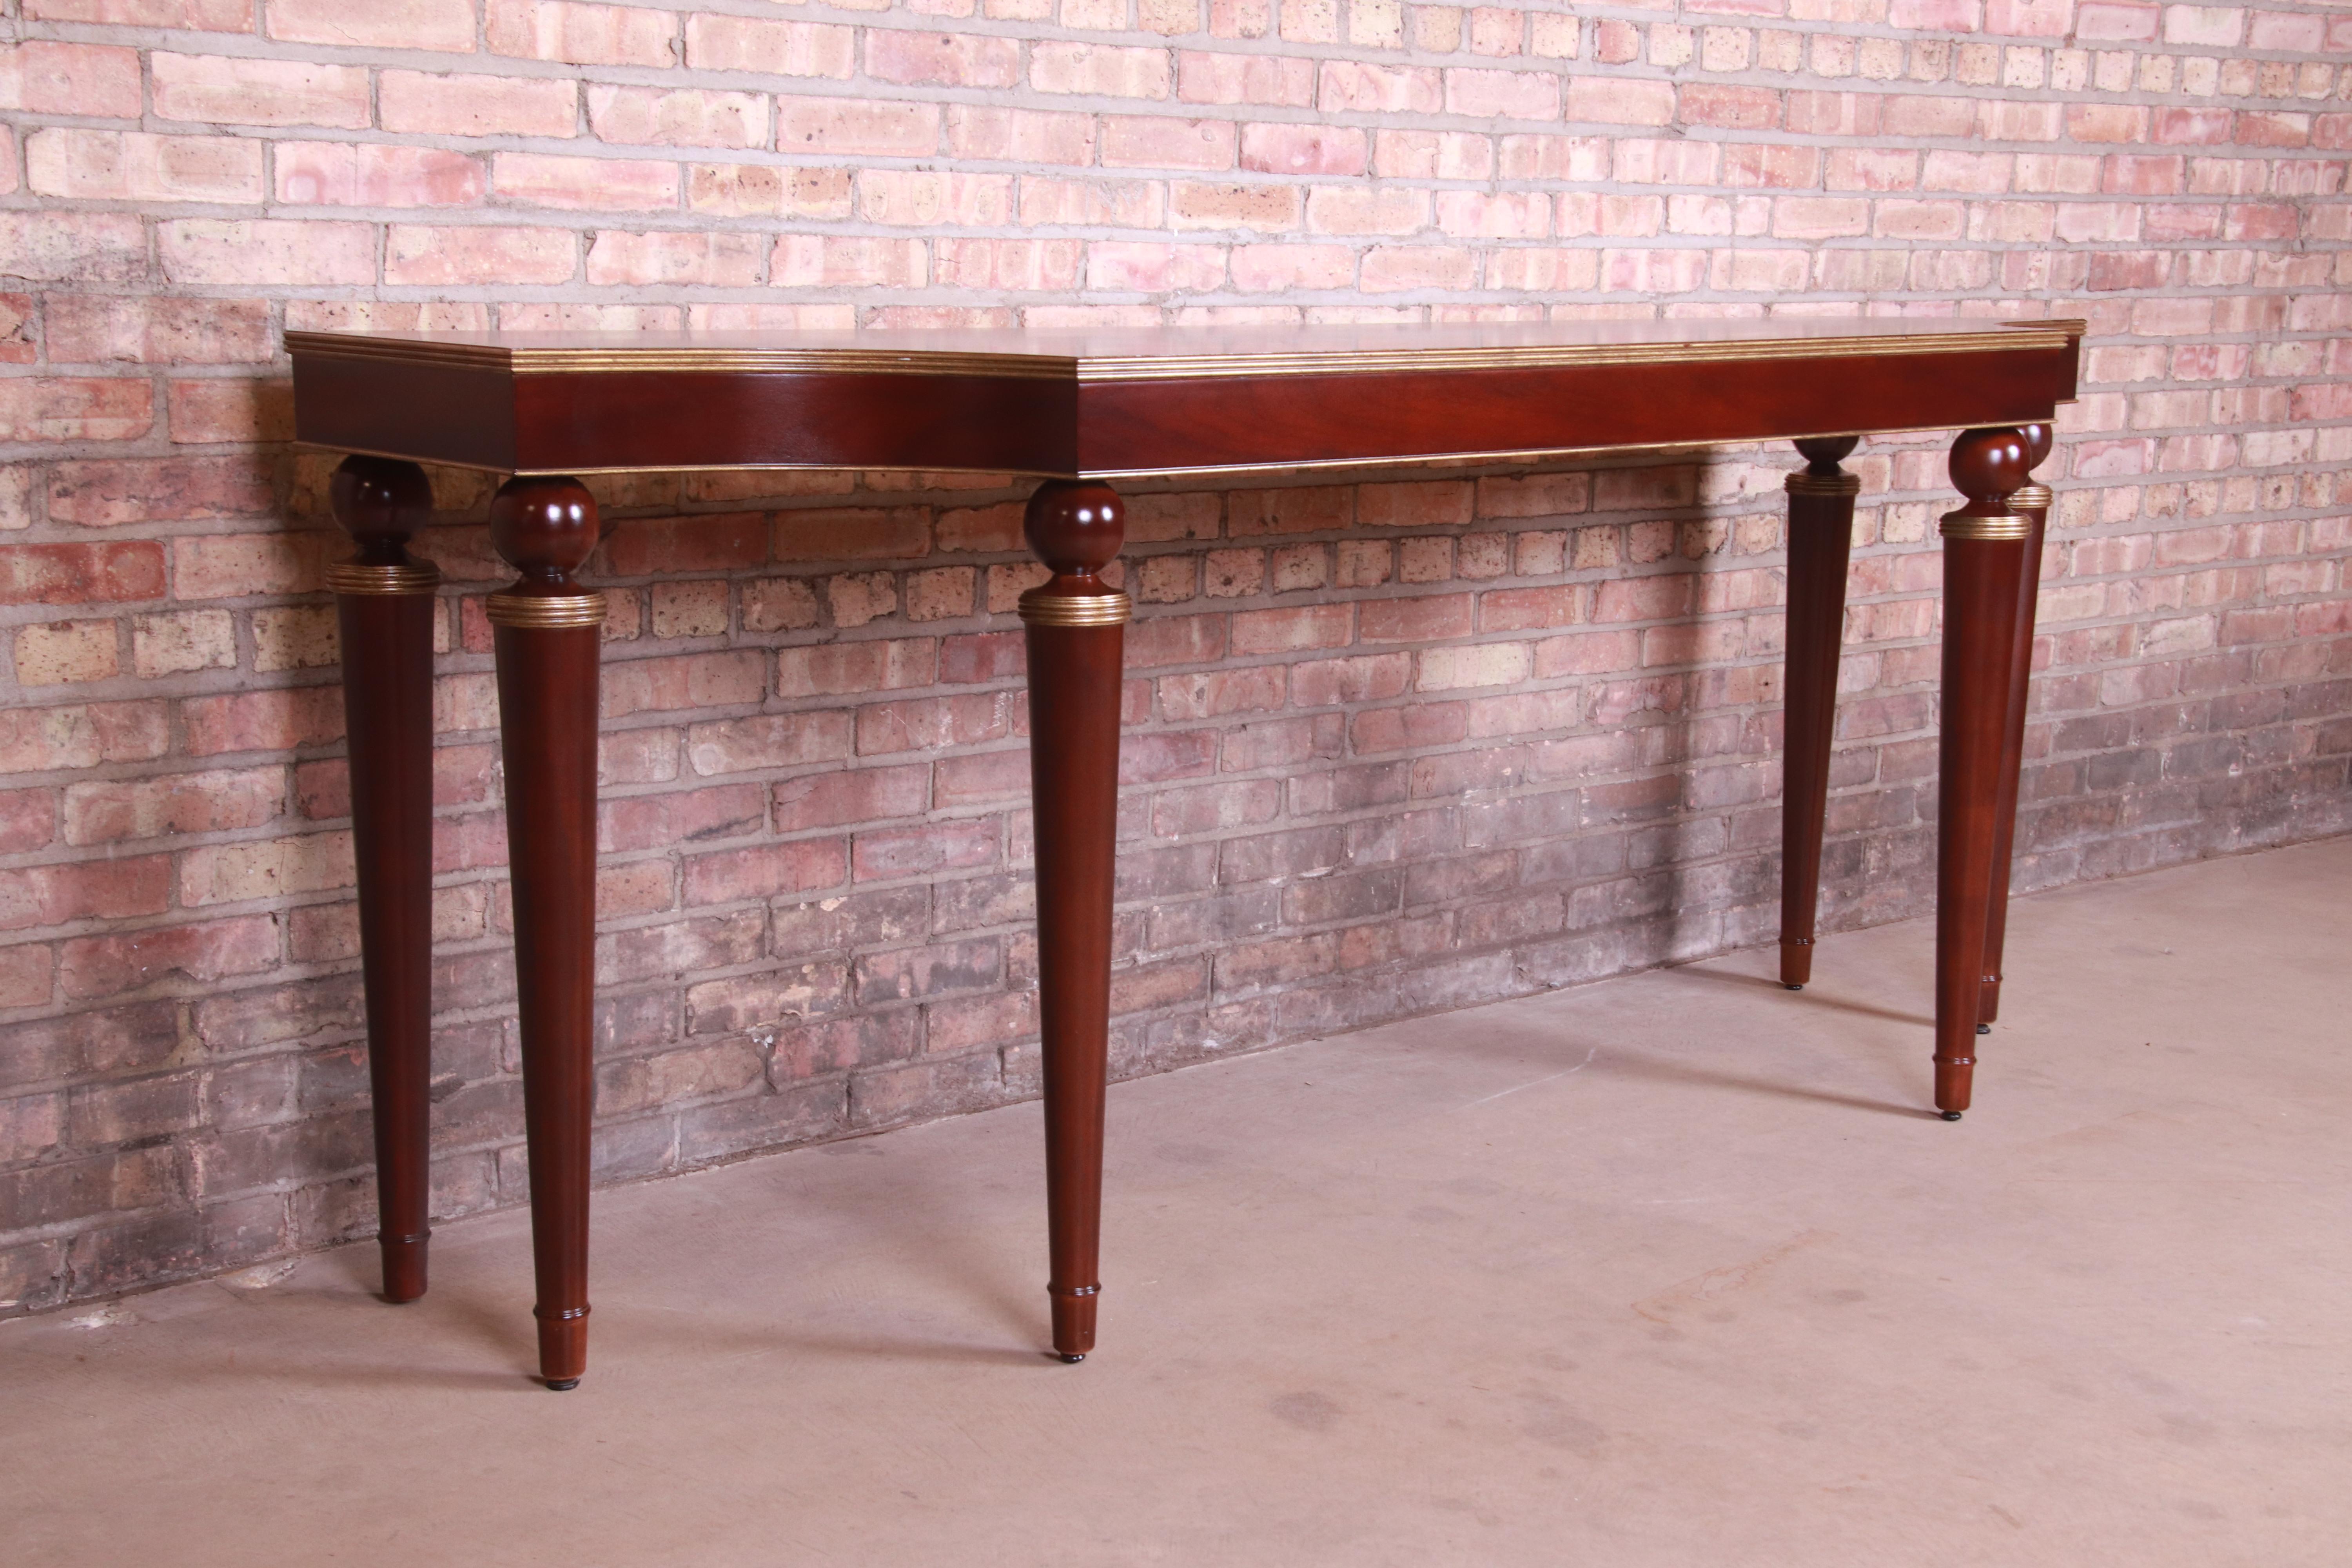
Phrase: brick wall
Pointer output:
(1424, 740)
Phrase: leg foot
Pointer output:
(564, 1348)
(559, 1386)
(403, 1268)
(1074, 1322)
(1949, 1115)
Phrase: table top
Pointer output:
(1117, 401)
(1139, 354)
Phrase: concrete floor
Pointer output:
(1673, 1269)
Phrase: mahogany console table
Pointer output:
(1076, 409)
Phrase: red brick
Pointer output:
(1098, 70)
(107, 494)
(581, 33)
(444, 25)
(608, 185)
(208, 16)
(345, 174)
(269, 720)
(769, 47)
(874, 666)
(1294, 149)
(80, 574)
(266, 250)
(1282, 631)
(855, 795)
(942, 59)
(680, 116)
(207, 951)
(476, 105)
(235, 91)
(1619, 102)
(57, 77)
(114, 166)
(98, 889)
(801, 866)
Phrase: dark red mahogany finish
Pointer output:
(1075, 408)
(1986, 566)
(383, 602)
(547, 630)
(1821, 538)
(2033, 503)
(1076, 631)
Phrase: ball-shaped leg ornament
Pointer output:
(1990, 464)
(1075, 527)
(2039, 440)
(543, 527)
(379, 502)
(1823, 453)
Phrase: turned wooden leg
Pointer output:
(1821, 536)
(1074, 629)
(384, 604)
(2033, 503)
(1985, 562)
(547, 630)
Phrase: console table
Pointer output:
(1076, 409)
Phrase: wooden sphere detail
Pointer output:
(379, 502)
(543, 527)
(1823, 453)
(1990, 464)
(2039, 440)
(1075, 525)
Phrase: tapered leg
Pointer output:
(547, 630)
(384, 604)
(2033, 503)
(1821, 536)
(1076, 630)
(1985, 564)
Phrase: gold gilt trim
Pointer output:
(2000, 338)
(1551, 357)
(363, 578)
(500, 358)
(1040, 608)
(2034, 497)
(542, 612)
(1802, 483)
(1998, 529)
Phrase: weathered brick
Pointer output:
(581, 33)
(474, 105)
(1314, 704)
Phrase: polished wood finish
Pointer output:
(1821, 538)
(545, 528)
(1076, 407)
(1145, 427)
(1981, 597)
(386, 613)
(1075, 637)
(2039, 440)
(1110, 402)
